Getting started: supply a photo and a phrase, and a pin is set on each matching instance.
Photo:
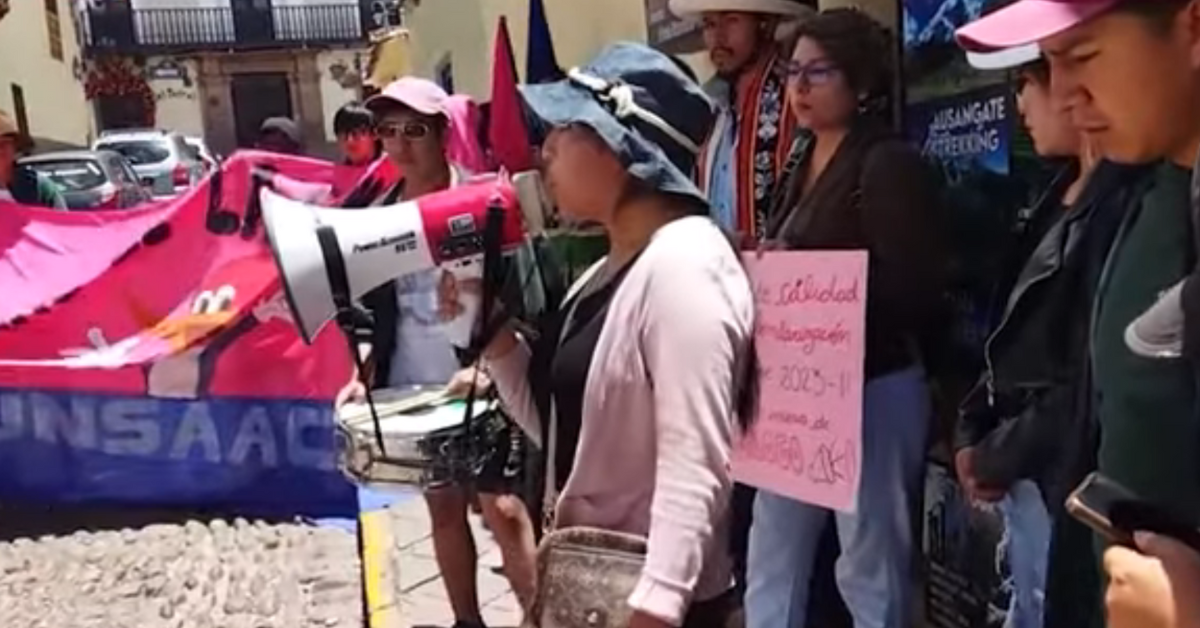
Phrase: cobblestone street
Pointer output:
(137, 569)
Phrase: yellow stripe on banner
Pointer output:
(382, 604)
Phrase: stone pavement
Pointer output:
(422, 599)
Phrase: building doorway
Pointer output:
(256, 97)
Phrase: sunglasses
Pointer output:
(409, 131)
(812, 74)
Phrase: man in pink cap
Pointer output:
(1129, 71)
(410, 348)
(1098, 50)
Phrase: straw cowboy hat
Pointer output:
(786, 8)
(792, 12)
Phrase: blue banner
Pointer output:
(261, 456)
(153, 361)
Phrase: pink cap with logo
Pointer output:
(418, 94)
(1027, 22)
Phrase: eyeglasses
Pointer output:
(812, 74)
(409, 130)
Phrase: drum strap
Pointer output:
(349, 317)
(488, 324)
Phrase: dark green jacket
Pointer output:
(1147, 409)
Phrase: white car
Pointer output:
(162, 159)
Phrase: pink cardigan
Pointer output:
(658, 414)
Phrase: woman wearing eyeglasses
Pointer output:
(853, 184)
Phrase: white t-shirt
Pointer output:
(423, 355)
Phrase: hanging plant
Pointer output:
(113, 77)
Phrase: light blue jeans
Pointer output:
(874, 572)
(1027, 526)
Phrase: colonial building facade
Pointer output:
(218, 68)
(41, 73)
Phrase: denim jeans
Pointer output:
(1027, 523)
(875, 570)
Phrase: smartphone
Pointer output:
(1116, 513)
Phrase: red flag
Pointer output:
(506, 125)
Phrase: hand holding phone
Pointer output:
(1116, 514)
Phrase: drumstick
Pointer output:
(358, 412)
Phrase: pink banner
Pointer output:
(146, 357)
(180, 300)
(806, 441)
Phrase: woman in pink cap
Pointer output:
(415, 121)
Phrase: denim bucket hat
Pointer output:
(651, 114)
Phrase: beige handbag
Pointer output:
(585, 578)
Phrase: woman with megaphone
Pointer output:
(635, 385)
(409, 348)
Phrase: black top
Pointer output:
(569, 368)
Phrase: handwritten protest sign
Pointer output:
(806, 441)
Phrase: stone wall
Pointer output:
(216, 76)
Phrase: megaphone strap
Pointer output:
(348, 317)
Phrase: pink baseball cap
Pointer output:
(1027, 22)
(418, 94)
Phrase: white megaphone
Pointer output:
(318, 248)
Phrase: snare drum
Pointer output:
(425, 440)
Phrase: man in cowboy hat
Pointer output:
(753, 133)
(752, 136)
(22, 184)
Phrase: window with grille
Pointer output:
(54, 29)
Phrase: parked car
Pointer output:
(161, 159)
(200, 151)
(91, 179)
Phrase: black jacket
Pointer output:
(876, 193)
(1029, 416)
